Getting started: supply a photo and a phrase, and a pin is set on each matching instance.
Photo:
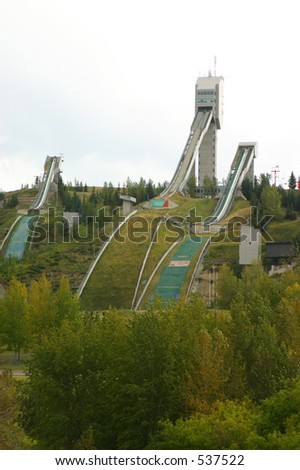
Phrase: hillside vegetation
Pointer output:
(178, 375)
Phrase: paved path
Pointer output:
(15, 373)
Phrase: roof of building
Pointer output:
(279, 250)
(124, 197)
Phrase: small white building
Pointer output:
(72, 218)
(128, 202)
(250, 245)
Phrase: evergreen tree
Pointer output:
(210, 186)
(191, 185)
(247, 189)
(150, 189)
(292, 181)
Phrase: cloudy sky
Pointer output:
(110, 84)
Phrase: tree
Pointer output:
(88, 212)
(8, 268)
(271, 202)
(12, 202)
(75, 384)
(247, 189)
(227, 286)
(210, 186)
(12, 437)
(230, 426)
(191, 186)
(150, 188)
(141, 191)
(288, 322)
(53, 394)
(155, 377)
(42, 309)
(14, 316)
(66, 306)
(256, 347)
(279, 422)
(292, 181)
(256, 281)
(139, 366)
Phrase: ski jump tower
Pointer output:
(199, 157)
(209, 97)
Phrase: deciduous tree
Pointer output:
(12, 437)
(42, 308)
(14, 317)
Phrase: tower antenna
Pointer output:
(215, 65)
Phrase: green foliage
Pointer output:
(274, 424)
(140, 365)
(12, 436)
(27, 314)
(288, 321)
(230, 426)
(210, 186)
(66, 305)
(177, 376)
(279, 423)
(271, 202)
(256, 343)
(143, 190)
(292, 181)
(13, 317)
(191, 186)
(173, 377)
(228, 286)
(8, 267)
(11, 202)
(247, 189)
(41, 307)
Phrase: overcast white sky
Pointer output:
(110, 84)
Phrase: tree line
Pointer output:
(176, 376)
(9, 202)
(273, 200)
(89, 202)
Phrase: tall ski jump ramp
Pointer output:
(22, 230)
(199, 157)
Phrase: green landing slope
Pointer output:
(19, 238)
(173, 276)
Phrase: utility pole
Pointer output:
(275, 171)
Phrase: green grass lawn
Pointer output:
(9, 360)
(114, 278)
(284, 230)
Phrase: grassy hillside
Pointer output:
(114, 279)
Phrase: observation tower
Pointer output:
(209, 96)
